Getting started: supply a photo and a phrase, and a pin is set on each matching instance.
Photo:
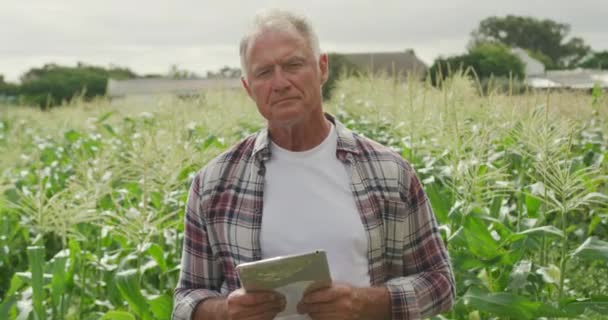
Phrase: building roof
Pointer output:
(533, 67)
(542, 83)
(573, 79)
(157, 86)
(399, 63)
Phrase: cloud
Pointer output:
(203, 35)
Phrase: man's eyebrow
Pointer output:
(295, 59)
(261, 67)
(258, 68)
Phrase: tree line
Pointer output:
(53, 84)
(489, 50)
(488, 55)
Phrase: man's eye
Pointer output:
(294, 65)
(262, 73)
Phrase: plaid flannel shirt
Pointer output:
(224, 216)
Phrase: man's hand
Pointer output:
(254, 305)
(344, 302)
(243, 305)
(340, 301)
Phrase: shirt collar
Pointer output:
(346, 140)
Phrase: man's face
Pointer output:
(283, 77)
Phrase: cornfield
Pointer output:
(92, 194)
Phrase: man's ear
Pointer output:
(246, 86)
(324, 67)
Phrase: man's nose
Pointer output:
(279, 81)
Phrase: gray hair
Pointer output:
(278, 20)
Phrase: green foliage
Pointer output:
(118, 315)
(36, 258)
(224, 72)
(97, 193)
(544, 59)
(495, 60)
(339, 66)
(8, 91)
(599, 60)
(545, 36)
(127, 283)
(7, 88)
(176, 73)
(52, 84)
(502, 178)
(509, 305)
(486, 60)
(592, 249)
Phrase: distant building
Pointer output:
(533, 67)
(577, 79)
(401, 63)
(156, 87)
(584, 79)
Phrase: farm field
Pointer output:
(92, 194)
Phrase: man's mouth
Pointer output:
(284, 100)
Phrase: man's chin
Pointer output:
(286, 111)
(286, 119)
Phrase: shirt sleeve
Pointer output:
(201, 274)
(427, 286)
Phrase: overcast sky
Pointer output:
(149, 36)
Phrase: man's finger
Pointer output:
(263, 316)
(324, 316)
(324, 295)
(256, 298)
(316, 308)
(241, 310)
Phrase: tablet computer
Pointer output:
(291, 275)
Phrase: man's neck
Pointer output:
(301, 136)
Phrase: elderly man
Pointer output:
(302, 183)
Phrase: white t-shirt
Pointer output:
(309, 205)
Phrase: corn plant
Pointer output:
(92, 194)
